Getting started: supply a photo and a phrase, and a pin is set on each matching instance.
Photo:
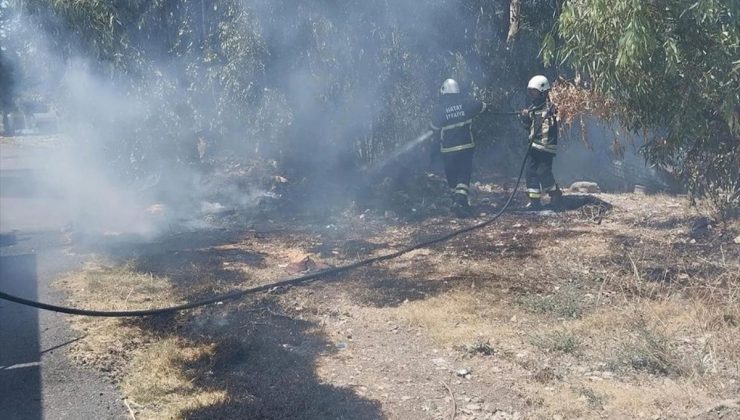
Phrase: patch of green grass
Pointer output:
(478, 347)
(651, 351)
(565, 303)
(559, 341)
(594, 399)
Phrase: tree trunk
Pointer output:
(514, 13)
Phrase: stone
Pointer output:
(585, 187)
(463, 372)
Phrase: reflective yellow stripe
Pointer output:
(458, 148)
(550, 148)
(457, 125)
(462, 189)
(534, 195)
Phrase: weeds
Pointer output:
(650, 351)
(566, 303)
(560, 341)
(160, 379)
(593, 398)
(477, 348)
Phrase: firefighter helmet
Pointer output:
(539, 83)
(449, 86)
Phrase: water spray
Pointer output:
(401, 151)
(419, 140)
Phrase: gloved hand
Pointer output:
(525, 118)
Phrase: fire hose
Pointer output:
(277, 285)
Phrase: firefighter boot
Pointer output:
(461, 205)
(533, 205)
(556, 200)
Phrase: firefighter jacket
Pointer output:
(542, 123)
(452, 120)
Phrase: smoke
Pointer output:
(190, 108)
(107, 171)
(609, 156)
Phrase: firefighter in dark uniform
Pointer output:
(541, 121)
(452, 119)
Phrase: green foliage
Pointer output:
(672, 68)
(279, 79)
(565, 303)
(559, 341)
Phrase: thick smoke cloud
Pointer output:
(158, 117)
(318, 88)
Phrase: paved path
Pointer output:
(37, 379)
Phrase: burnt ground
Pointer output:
(623, 306)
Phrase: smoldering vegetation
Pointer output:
(173, 110)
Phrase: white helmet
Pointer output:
(449, 86)
(539, 83)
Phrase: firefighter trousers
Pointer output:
(458, 168)
(539, 174)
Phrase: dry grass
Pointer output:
(159, 379)
(624, 319)
(107, 342)
(459, 318)
(564, 303)
(150, 367)
(656, 333)
(558, 341)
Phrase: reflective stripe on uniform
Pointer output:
(534, 194)
(458, 148)
(550, 148)
(462, 189)
(457, 125)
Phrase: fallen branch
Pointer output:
(130, 411)
(720, 406)
(454, 403)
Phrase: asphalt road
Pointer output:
(37, 378)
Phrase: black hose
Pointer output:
(285, 283)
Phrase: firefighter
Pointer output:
(541, 121)
(452, 119)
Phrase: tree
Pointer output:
(671, 68)
(6, 68)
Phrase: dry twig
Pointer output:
(130, 411)
(454, 403)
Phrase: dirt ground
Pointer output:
(625, 306)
